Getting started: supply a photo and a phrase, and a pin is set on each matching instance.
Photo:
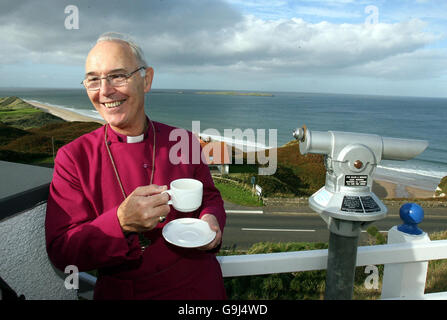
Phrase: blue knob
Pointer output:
(411, 214)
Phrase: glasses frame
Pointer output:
(108, 78)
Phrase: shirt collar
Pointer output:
(135, 139)
(114, 136)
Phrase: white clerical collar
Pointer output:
(135, 139)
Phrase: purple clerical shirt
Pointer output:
(82, 226)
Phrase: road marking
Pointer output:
(245, 211)
(286, 230)
(379, 231)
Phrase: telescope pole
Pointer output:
(342, 256)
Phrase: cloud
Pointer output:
(181, 36)
(37, 27)
(296, 46)
(417, 65)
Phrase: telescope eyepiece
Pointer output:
(299, 134)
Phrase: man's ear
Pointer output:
(149, 76)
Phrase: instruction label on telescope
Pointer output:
(352, 204)
(369, 205)
(356, 180)
(356, 204)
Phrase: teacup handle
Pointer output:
(170, 196)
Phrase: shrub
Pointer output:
(284, 286)
(442, 187)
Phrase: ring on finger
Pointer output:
(161, 218)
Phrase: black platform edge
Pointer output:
(23, 201)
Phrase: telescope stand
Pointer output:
(342, 257)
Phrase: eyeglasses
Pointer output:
(115, 80)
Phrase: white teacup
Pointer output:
(186, 194)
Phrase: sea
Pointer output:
(269, 121)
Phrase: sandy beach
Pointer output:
(67, 115)
(382, 188)
(389, 190)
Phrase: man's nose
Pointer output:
(105, 87)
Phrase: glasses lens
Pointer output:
(117, 80)
(92, 84)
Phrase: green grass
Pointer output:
(237, 194)
(44, 161)
(286, 182)
(11, 115)
(437, 269)
(19, 114)
(442, 186)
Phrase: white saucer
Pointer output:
(188, 233)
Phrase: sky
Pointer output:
(334, 46)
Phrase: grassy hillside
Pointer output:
(29, 135)
(442, 187)
(9, 134)
(17, 113)
(296, 175)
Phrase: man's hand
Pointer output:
(214, 225)
(141, 210)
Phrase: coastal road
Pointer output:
(244, 229)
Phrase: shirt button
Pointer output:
(109, 142)
(145, 166)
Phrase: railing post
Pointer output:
(406, 280)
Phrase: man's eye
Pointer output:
(92, 79)
(117, 76)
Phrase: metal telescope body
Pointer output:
(346, 201)
(350, 160)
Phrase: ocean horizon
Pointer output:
(389, 116)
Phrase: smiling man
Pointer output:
(121, 106)
(106, 193)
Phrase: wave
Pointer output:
(47, 103)
(89, 113)
(245, 145)
(437, 149)
(436, 162)
(426, 172)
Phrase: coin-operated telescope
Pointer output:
(346, 202)
(350, 160)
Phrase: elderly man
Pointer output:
(107, 189)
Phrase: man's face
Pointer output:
(122, 107)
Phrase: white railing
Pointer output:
(286, 262)
(282, 262)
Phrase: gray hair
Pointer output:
(136, 50)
